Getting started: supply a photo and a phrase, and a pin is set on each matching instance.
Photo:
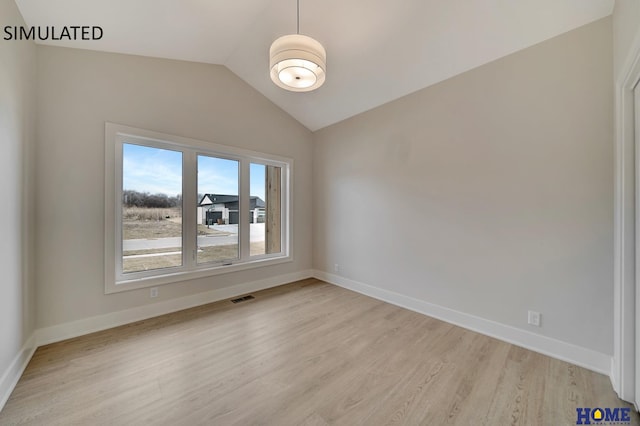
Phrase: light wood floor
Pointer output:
(307, 353)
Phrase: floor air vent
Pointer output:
(242, 299)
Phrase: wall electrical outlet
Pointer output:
(336, 268)
(154, 292)
(534, 318)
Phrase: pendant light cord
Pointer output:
(298, 20)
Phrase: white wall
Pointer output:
(17, 110)
(502, 185)
(78, 91)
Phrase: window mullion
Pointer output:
(243, 226)
(189, 201)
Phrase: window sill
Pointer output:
(169, 278)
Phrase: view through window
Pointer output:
(218, 209)
(265, 209)
(151, 208)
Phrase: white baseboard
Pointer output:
(574, 354)
(11, 376)
(554, 348)
(56, 333)
(81, 327)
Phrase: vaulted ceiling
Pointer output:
(377, 50)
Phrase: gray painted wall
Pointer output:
(490, 193)
(78, 91)
(17, 124)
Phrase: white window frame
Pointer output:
(115, 280)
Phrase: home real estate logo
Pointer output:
(603, 416)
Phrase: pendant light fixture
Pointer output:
(298, 63)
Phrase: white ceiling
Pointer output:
(377, 50)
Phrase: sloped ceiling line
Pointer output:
(377, 50)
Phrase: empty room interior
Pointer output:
(310, 212)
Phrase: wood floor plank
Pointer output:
(307, 353)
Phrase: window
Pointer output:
(178, 208)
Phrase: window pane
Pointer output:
(266, 219)
(218, 209)
(151, 208)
